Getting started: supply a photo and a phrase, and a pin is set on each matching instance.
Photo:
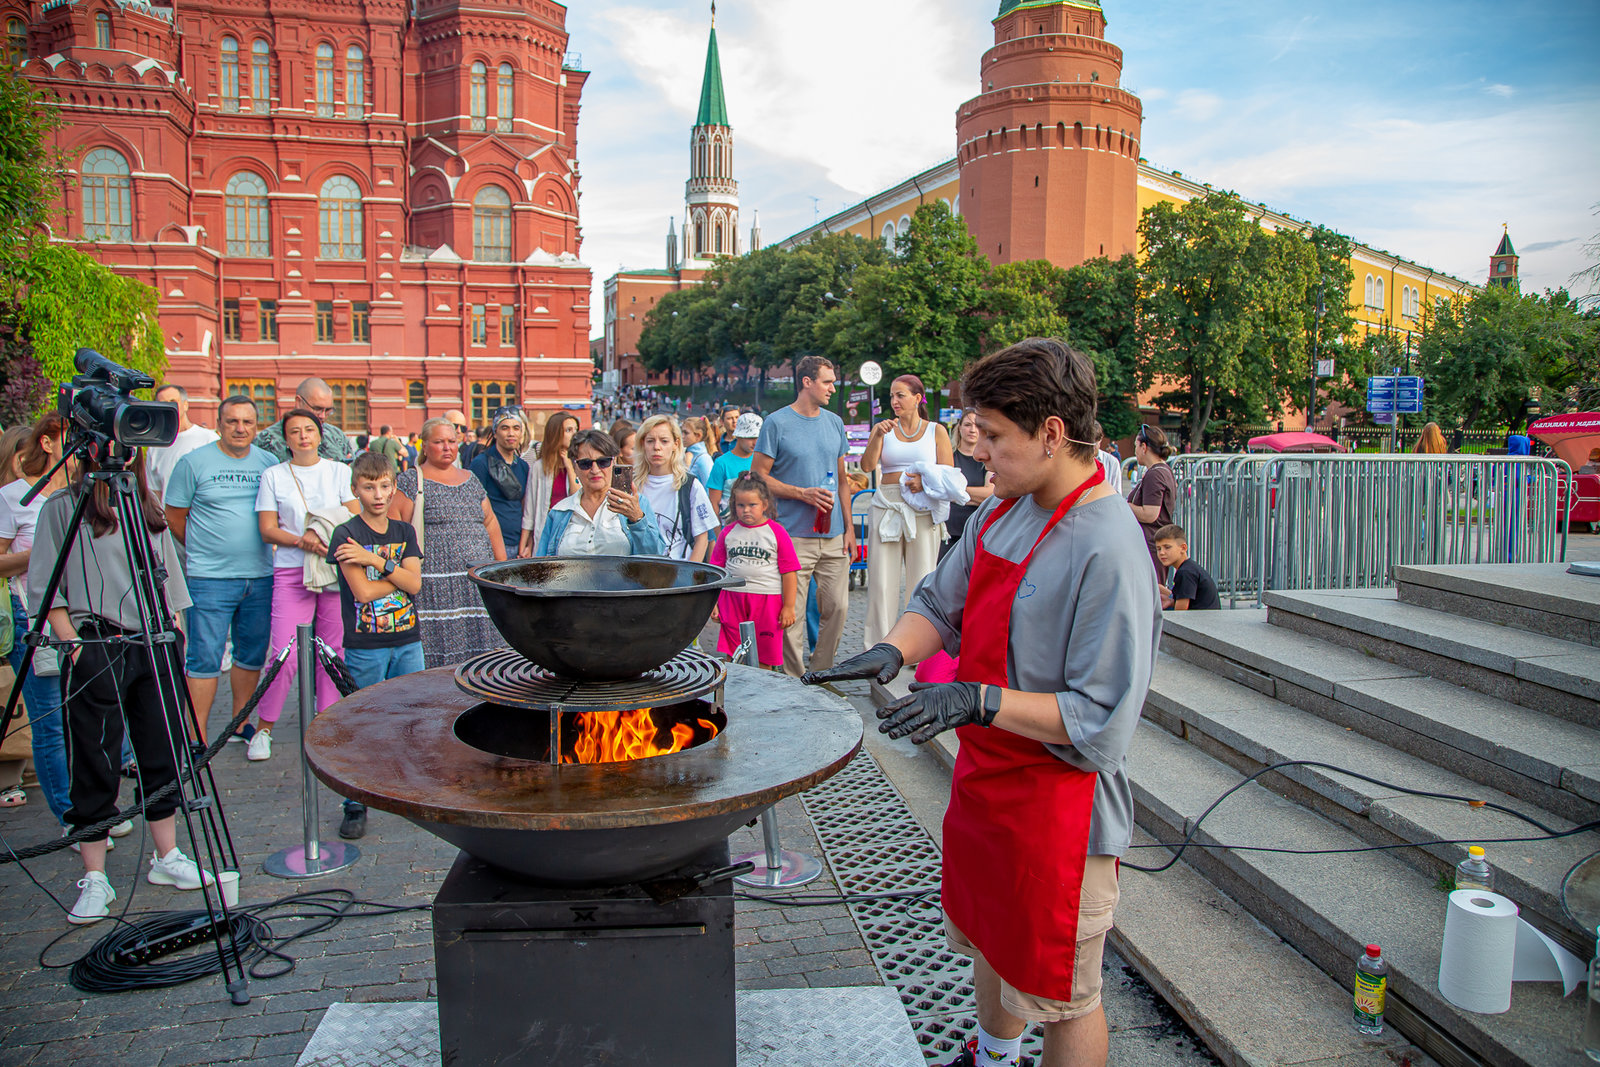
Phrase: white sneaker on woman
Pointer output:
(94, 903)
(176, 869)
(260, 747)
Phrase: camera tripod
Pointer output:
(157, 635)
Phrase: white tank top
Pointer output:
(899, 455)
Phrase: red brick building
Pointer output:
(1049, 151)
(380, 193)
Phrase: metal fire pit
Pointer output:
(394, 747)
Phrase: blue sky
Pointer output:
(1414, 127)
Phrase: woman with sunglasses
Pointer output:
(599, 519)
(458, 531)
(1152, 496)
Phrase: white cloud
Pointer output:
(1197, 105)
(1497, 89)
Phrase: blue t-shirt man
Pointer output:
(805, 449)
(507, 509)
(221, 536)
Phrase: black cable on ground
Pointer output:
(109, 966)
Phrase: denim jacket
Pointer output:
(644, 536)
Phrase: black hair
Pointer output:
(1033, 380)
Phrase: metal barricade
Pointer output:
(1291, 521)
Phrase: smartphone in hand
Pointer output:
(622, 478)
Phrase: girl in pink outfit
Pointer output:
(758, 550)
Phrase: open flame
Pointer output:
(611, 737)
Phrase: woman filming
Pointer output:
(108, 682)
(898, 536)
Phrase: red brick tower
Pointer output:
(1049, 151)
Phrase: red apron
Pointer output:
(1016, 834)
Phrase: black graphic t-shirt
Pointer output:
(390, 620)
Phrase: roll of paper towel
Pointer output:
(1480, 948)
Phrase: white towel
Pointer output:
(941, 487)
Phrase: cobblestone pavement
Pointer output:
(43, 1020)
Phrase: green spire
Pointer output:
(713, 105)
(1007, 6)
(1505, 248)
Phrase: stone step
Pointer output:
(1534, 670)
(1249, 731)
(1330, 906)
(1539, 597)
(1536, 757)
(1181, 933)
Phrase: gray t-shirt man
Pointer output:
(804, 449)
(1085, 626)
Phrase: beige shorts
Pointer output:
(1096, 903)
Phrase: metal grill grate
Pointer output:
(874, 845)
(506, 677)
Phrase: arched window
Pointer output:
(888, 235)
(504, 109)
(260, 77)
(1377, 292)
(249, 221)
(479, 104)
(228, 75)
(1367, 301)
(355, 83)
(325, 80)
(107, 196)
(339, 208)
(904, 225)
(716, 238)
(16, 41)
(491, 225)
(102, 30)
(699, 238)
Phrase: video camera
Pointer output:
(99, 401)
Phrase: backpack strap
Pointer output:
(684, 505)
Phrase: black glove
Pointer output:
(882, 661)
(931, 709)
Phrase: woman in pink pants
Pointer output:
(289, 492)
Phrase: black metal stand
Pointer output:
(158, 636)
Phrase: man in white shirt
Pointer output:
(158, 462)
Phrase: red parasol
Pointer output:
(1294, 441)
(1572, 436)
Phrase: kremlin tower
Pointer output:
(711, 218)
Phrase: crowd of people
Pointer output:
(275, 521)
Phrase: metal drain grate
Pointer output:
(874, 845)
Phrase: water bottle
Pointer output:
(1473, 872)
(824, 521)
(1372, 983)
(1591, 1021)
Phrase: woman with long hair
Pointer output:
(697, 444)
(1431, 441)
(108, 682)
(1152, 496)
(290, 494)
(550, 480)
(599, 519)
(977, 475)
(35, 451)
(900, 539)
(458, 531)
(681, 504)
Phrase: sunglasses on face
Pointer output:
(585, 464)
(460, 428)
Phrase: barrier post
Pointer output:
(313, 857)
(775, 866)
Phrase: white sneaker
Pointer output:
(122, 829)
(176, 869)
(260, 747)
(94, 903)
(110, 844)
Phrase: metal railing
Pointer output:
(1259, 522)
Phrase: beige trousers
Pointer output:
(824, 557)
(885, 562)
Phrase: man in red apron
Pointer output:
(1051, 604)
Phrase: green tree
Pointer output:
(1223, 302)
(29, 170)
(921, 314)
(1100, 299)
(71, 301)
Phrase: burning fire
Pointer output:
(611, 737)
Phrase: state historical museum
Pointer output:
(383, 194)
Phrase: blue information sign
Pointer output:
(1395, 394)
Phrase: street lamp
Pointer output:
(1316, 351)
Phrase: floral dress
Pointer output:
(455, 625)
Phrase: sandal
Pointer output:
(13, 798)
